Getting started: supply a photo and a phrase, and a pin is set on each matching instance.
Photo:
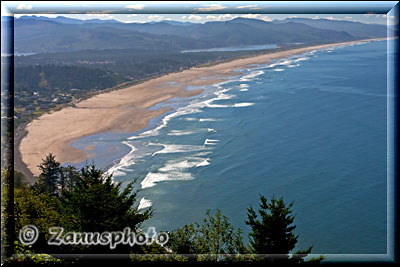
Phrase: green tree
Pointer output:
(50, 175)
(273, 233)
(99, 204)
(68, 176)
(42, 210)
(215, 236)
(18, 179)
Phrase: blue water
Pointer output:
(310, 128)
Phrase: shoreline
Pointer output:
(126, 109)
(19, 165)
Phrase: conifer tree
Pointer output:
(273, 233)
(50, 175)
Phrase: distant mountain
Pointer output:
(180, 23)
(358, 29)
(48, 36)
(61, 19)
(42, 34)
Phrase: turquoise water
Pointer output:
(310, 128)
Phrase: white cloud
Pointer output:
(266, 18)
(251, 16)
(368, 15)
(194, 17)
(132, 15)
(155, 17)
(220, 17)
(133, 21)
(38, 15)
(136, 6)
(226, 17)
(331, 18)
(106, 12)
(248, 6)
(211, 17)
(100, 16)
(23, 6)
(316, 17)
(211, 7)
(384, 16)
(348, 17)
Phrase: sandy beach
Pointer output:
(125, 110)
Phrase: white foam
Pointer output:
(244, 90)
(116, 173)
(251, 75)
(210, 142)
(217, 106)
(211, 130)
(209, 102)
(301, 59)
(239, 105)
(221, 96)
(190, 119)
(174, 171)
(181, 166)
(152, 178)
(236, 105)
(207, 119)
(288, 62)
(144, 203)
(179, 132)
(127, 160)
(172, 148)
(203, 163)
(284, 62)
(181, 111)
(177, 166)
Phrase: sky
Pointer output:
(201, 11)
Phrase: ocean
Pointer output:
(311, 128)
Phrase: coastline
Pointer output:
(19, 165)
(126, 110)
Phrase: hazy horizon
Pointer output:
(373, 12)
(203, 18)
